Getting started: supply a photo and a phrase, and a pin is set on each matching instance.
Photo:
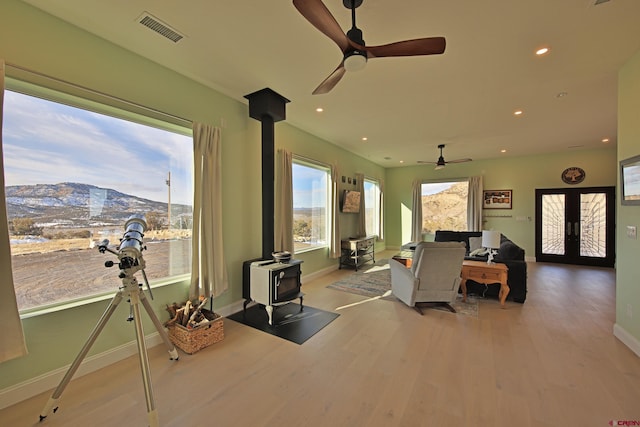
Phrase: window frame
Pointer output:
(377, 208)
(326, 169)
(85, 99)
(451, 181)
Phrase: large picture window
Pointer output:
(372, 207)
(310, 205)
(72, 178)
(444, 206)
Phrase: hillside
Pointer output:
(445, 210)
(79, 204)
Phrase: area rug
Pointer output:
(370, 281)
(375, 282)
(289, 322)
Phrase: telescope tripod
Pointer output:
(133, 291)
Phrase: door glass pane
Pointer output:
(553, 224)
(593, 225)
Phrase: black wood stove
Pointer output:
(265, 280)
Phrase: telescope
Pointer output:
(131, 244)
(129, 252)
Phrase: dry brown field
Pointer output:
(68, 269)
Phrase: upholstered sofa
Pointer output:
(509, 253)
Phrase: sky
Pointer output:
(436, 187)
(49, 143)
(308, 184)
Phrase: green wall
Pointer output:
(520, 174)
(628, 250)
(37, 41)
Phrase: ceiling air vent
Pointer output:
(159, 27)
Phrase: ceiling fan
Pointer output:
(355, 52)
(440, 164)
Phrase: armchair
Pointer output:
(434, 276)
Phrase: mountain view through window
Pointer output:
(72, 179)
(444, 206)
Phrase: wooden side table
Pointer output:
(481, 272)
(357, 251)
(404, 257)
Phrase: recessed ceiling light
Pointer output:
(542, 51)
(364, 138)
(401, 161)
(319, 109)
(503, 151)
(605, 140)
(517, 113)
(561, 94)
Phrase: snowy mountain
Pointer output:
(76, 203)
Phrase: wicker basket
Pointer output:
(192, 340)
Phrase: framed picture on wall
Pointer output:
(630, 181)
(497, 199)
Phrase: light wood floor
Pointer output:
(552, 361)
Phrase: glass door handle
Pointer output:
(568, 228)
(576, 229)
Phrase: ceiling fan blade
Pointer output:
(441, 163)
(426, 46)
(330, 82)
(424, 162)
(319, 16)
(458, 161)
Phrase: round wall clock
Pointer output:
(573, 175)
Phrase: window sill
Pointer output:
(53, 308)
(315, 248)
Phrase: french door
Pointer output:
(576, 226)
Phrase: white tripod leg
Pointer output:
(144, 361)
(53, 400)
(173, 353)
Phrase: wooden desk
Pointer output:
(481, 272)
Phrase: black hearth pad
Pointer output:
(288, 321)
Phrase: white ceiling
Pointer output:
(464, 98)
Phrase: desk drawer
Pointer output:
(484, 274)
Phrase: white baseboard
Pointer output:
(319, 273)
(50, 380)
(627, 339)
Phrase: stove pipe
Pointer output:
(267, 107)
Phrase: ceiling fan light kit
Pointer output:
(355, 60)
(355, 52)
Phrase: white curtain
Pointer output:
(208, 268)
(416, 212)
(474, 204)
(362, 220)
(381, 213)
(334, 244)
(284, 203)
(12, 343)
